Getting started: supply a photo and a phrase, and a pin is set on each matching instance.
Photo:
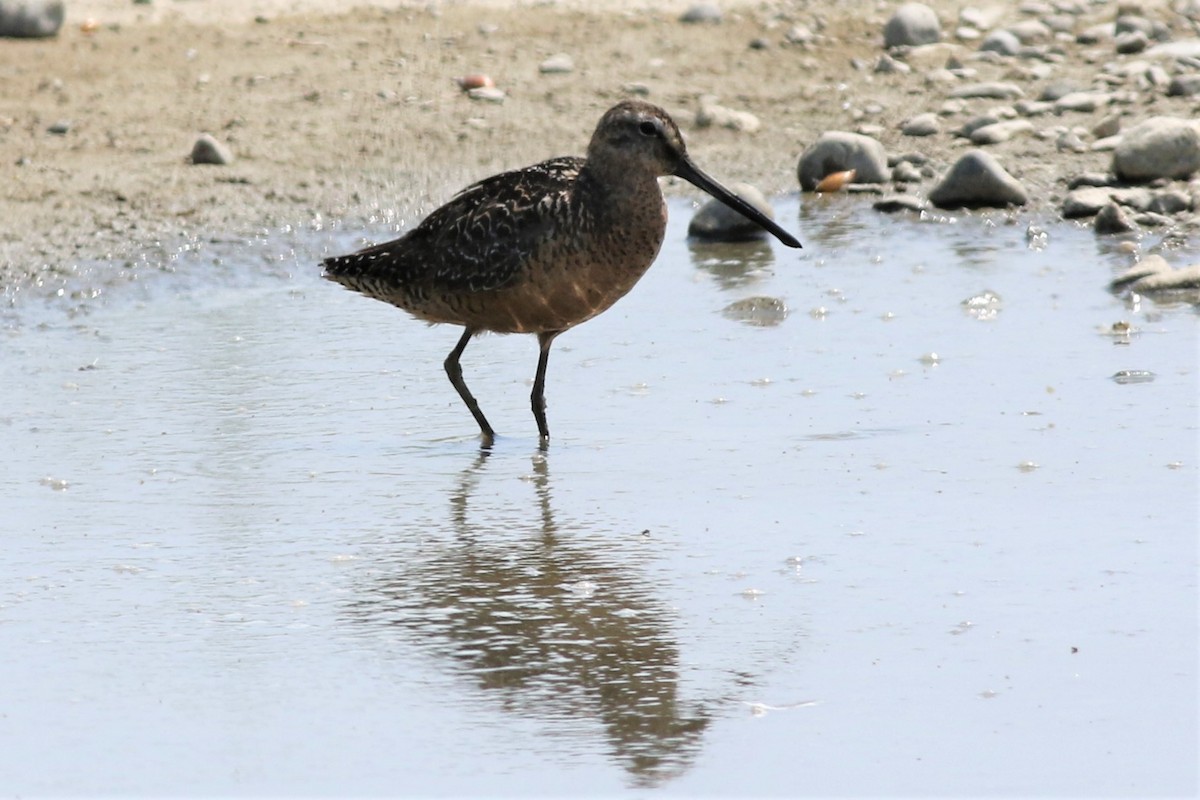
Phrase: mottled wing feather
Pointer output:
(478, 241)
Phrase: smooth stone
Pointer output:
(1084, 102)
(1170, 202)
(1096, 34)
(1090, 179)
(997, 90)
(488, 94)
(1184, 85)
(1184, 48)
(912, 24)
(1033, 108)
(1000, 131)
(1055, 89)
(1108, 143)
(1088, 201)
(1168, 280)
(1132, 42)
(1029, 31)
(975, 180)
(712, 115)
(1133, 23)
(1001, 41)
(1109, 126)
(207, 150)
(975, 123)
(1113, 219)
(716, 221)
(30, 19)
(702, 13)
(60, 128)
(837, 151)
(1158, 147)
(905, 172)
(1149, 265)
(893, 203)
(921, 125)
(556, 64)
(1070, 142)
(886, 65)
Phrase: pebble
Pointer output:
(1169, 280)
(1158, 147)
(712, 115)
(1184, 48)
(906, 172)
(921, 125)
(1132, 42)
(556, 64)
(996, 90)
(1000, 131)
(893, 203)
(912, 24)
(1083, 102)
(207, 150)
(488, 94)
(1030, 31)
(60, 128)
(31, 19)
(977, 179)
(1113, 219)
(717, 222)
(1001, 41)
(1149, 265)
(1184, 85)
(837, 151)
(706, 13)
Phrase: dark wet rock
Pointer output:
(30, 19)
(1001, 41)
(1001, 131)
(1169, 280)
(60, 128)
(912, 24)
(978, 180)
(207, 150)
(1159, 147)
(1113, 219)
(838, 151)
(716, 221)
(996, 90)
(1149, 265)
(1132, 42)
(893, 203)
(760, 311)
(1184, 85)
(921, 125)
(706, 13)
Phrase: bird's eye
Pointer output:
(648, 129)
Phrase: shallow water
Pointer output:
(252, 545)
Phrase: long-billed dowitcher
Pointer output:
(541, 249)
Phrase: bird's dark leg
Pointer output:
(454, 371)
(538, 398)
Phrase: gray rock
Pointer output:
(913, 24)
(1184, 85)
(1088, 201)
(1001, 131)
(1113, 219)
(1149, 265)
(996, 90)
(1184, 48)
(1133, 23)
(1131, 42)
(975, 180)
(921, 125)
(836, 151)
(712, 115)
(1096, 34)
(1109, 126)
(1032, 108)
(1070, 142)
(1171, 201)
(702, 13)
(60, 128)
(1056, 89)
(886, 65)
(1169, 280)
(904, 172)
(716, 221)
(975, 123)
(207, 150)
(1091, 179)
(1030, 31)
(1159, 147)
(1001, 41)
(557, 64)
(1082, 102)
(30, 19)
(898, 202)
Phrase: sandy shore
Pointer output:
(354, 118)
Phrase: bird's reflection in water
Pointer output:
(545, 620)
(733, 264)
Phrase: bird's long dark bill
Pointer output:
(692, 174)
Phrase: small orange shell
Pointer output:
(479, 81)
(89, 25)
(835, 181)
